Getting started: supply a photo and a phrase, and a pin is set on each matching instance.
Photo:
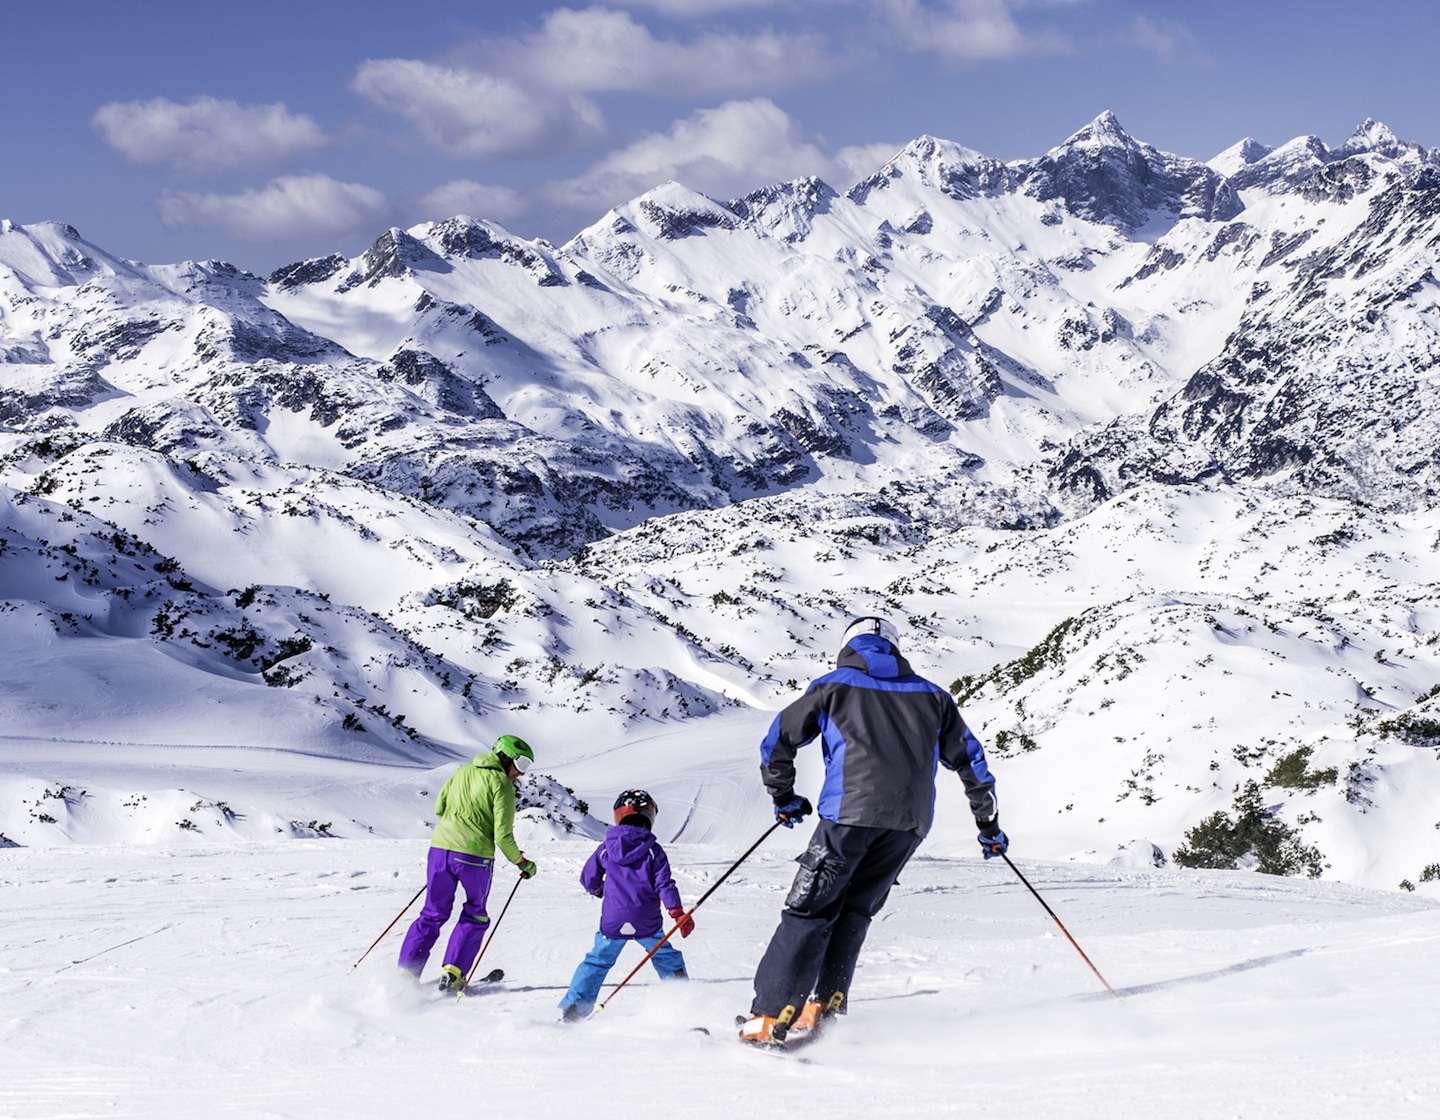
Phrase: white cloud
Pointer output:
(528, 95)
(292, 206)
(465, 113)
(700, 7)
(1168, 40)
(860, 161)
(725, 151)
(969, 30)
(479, 200)
(599, 50)
(206, 136)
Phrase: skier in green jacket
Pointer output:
(476, 815)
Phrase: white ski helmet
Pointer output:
(872, 624)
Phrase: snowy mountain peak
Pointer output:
(395, 253)
(52, 254)
(1284, 168)
(1233, 158)
(1103, 174)
(1373, 136)
(463, 236)
(786, 210)
(672, 211)
(1105, 131)
(942, 165)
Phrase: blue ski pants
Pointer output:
(590, 974)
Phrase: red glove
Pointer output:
(687, 923)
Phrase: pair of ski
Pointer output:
(791, 1030)
(793, 1041)
(788, 1045)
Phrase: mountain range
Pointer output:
(1142, 451)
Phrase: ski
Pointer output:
(494, 976)
(793, 1041)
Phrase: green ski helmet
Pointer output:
(515, 751)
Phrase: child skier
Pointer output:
(631, 875)
(476, 811)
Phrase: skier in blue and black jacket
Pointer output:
(884, 732)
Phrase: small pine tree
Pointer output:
(1220, 841)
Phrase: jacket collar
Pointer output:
(874, 656)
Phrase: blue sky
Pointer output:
(262, 132)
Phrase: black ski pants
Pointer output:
(845, 876)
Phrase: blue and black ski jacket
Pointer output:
(884, 732)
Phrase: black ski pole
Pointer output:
(387, 929)
(491, 935)
(1061, 924)
(681, 920)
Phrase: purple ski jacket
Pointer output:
(630, 872)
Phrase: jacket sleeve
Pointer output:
(592, 875)
(961, 751)
(791, 730)
(503, 806)
(662, 880)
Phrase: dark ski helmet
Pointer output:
(636, 802)
(514, 751)
(872, 624)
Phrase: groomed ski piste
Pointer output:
(184, 978)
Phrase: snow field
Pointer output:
(163, 982)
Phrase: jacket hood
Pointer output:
(873, 655)
(628, 844)
(487, 761)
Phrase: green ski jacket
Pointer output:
(476, 811)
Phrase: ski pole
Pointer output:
(387, 929)
(1061, 924)
(681, 921)
(491, 935)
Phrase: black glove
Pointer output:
(993, 842)
(792, 812)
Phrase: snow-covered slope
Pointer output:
(1140, 450)
(219, 979)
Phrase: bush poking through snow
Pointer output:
(1256, 834)
(1291, 772)
(541, 798)
(1418, 731)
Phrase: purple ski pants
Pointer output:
(444, 870)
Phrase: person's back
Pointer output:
(633, 871)
(630, 873)
(884, 732)
(475, 814)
